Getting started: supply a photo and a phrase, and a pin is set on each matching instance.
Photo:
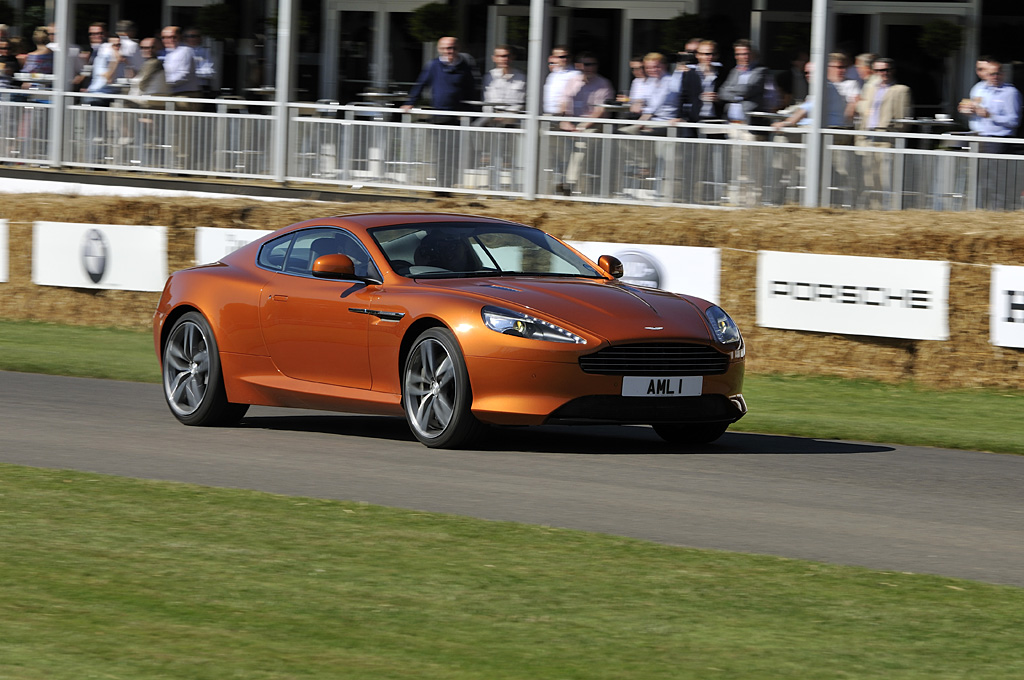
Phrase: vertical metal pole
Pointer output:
(535, 74)
(812, 163)
(62, 18)
(282, 85)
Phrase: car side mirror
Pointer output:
(338, 267)
(612, 265)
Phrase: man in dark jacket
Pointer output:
(449, 77)
(452, 83)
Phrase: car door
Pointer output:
(309, 326)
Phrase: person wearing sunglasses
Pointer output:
(560, 74)
(97, 32)
(883, 104)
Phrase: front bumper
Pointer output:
(516, 392)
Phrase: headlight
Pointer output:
(525, 326)
(725, 329)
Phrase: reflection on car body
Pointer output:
(454, 321)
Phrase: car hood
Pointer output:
(610, 309)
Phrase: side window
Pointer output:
(310, 244)
(272, 254)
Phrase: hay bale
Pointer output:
(971, 241)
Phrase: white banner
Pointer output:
(883, 297)
(1006, 307)
(678, 269)
(213, 243)
(101, 256)
(5, 255)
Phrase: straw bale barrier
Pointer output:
(971, 242)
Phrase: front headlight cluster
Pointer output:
(725, 329)
(522, 325)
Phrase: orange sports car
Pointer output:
(454, 321)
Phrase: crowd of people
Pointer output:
(175, 63)
(861, 92)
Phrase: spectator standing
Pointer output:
(793, 83)
(994, 108)
(743, 91)
(108, 67)
(150, 81)
(848, 87)
(504, 86)
(993, 112)
(8, 63)
(585, 95)
(560, 74)
(86, 58)
(452, 84)
(125, 30)
(883, 102)
(636, 85)
(710, 80)
(835, 103)
(206, 70)
(38, 61)
(661, 103)
(179, 65)
(450, 79)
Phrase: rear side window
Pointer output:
(272, 254)
(296, 252)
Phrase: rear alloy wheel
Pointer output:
(436, 392)
(690, 433)
(193, 383)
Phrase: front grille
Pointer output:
(661, 358)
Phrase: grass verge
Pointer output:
(793, 405)
(119, 578)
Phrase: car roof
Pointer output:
(386, 219)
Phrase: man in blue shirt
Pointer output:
(994, 107)
(993, 112)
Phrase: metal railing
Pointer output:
(484, 154)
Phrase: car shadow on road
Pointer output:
(588, 439)
(638, 440)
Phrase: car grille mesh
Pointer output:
(656, 359)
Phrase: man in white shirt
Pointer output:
(504, 87)
(179, 64)
(560, 74)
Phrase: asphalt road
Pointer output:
(954, 513)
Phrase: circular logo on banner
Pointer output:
(94, 254)
(640, 269)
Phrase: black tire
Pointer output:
(436, 392)
(690, 433)
(193, 382)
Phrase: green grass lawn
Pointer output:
(106, 577)
(116, 578)
(792, 405)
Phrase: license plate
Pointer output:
(662, 386)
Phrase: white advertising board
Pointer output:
(877, 296)
(101, 256)
(5, 256)
(678, 269)
(1006, 307)
(213, 243)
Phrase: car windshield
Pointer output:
(465, 249)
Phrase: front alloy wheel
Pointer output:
(436, 392)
